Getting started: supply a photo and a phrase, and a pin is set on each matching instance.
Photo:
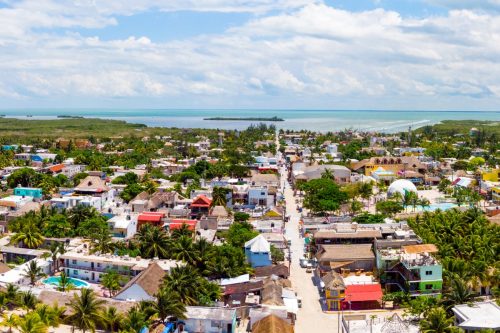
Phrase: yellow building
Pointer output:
(495, 194)
(334, 290)
(392, 164)
(491, 175)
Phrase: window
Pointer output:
(75, 272)
(73, 262)
(98, 264)
(428, 272)
(428, 286)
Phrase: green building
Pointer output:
(414, 271)
(28, 192)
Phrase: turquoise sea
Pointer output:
(316, 120)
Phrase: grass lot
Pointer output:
(11, 129)
(451, 127)
(66, 127)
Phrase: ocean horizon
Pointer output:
(295, 119)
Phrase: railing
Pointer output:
(98, 269)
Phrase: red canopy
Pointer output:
(149, 218)
(177, 223)
(363, 292)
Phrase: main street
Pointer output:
(310, 317)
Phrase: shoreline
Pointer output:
(245, 119)
(383, 123)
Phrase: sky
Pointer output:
(289, 54)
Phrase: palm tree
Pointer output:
(457, 293)
(45, 314)
(182, 231)
(219, 268)
(31, 323)
(183, 249)
(153, 242)
(12, 294)
(102, 243)
(86, 310)
(185, 281)
(150, 186)
(168, 304)
(409, 198)
(437, 322)
(3, 301)
(327, 173)
(204, 251)
(30, 236)
(57, 314)
(81, 213)
(111, 281)
(112, 319)
(366, 191)
(65, 283)
(33, 271)
(424, 203)
(9, 321)
(55, 250)
(135, 320)
(219, 196)
(28, 300)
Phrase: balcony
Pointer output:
(98, 269)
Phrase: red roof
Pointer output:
(56, 168)
(363, 292)
(149, 218)
(154, 213)
(201, 201)
(178, 223)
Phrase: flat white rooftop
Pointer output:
(361, 279)
(480, 315)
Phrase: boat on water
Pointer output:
(29, 115)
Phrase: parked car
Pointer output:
(304, 262)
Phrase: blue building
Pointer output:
(28, 192)
(258, 252)
(10, 147)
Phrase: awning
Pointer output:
(149, 218)
(363, 293)
(177, 224)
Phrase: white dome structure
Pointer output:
(401, 186)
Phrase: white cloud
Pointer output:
(306, 51)
(467, 4)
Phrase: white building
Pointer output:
(17, 275)
(81, 264)
(259, 196)
(210, 320)
(123, 226)
(68, 202)
(478, 316)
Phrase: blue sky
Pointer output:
(331, 54)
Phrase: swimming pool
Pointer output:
(442, 206)
(55, 281)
